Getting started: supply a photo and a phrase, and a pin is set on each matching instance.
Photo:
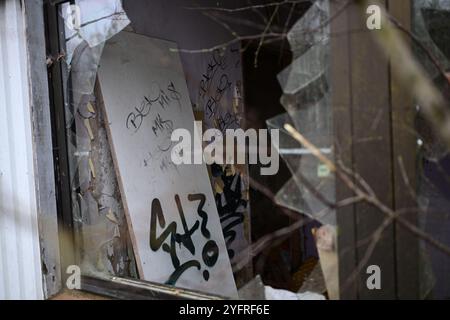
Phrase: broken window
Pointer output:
(360, 169)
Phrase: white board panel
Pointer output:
(173, 221)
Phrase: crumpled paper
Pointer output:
(278, 294)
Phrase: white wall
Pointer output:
(20, 263)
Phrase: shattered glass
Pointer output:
(425, 20)
(101, 234)
(311, 190)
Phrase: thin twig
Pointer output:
(248, 8)
(263, 36)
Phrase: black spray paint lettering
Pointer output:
(230, 205)
(210, 251)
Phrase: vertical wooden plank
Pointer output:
(404, 151)
(340, 69)
(371, 152)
